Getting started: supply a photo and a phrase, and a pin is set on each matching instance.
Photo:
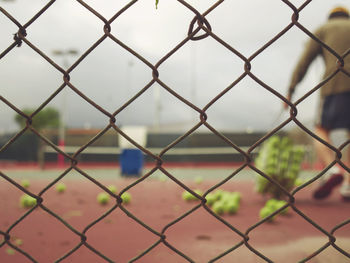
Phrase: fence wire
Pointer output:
(198, 30)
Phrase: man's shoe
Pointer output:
(326, 188)
(345, 192)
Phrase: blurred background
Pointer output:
(110, 75)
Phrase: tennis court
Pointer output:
(158, 203)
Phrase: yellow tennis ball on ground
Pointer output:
(31, 201)
(210, 199)
(26, 201)
(61, 187)
(25, 183)
(272, 203)
(236, 196)
(231, 207)
(163, 178)
(112, 188)
(103, 198)
(126, 197)
(225, 196)
(198, 180)
(265, 212)
(198, 192)
(218, 194)
(280, 204)
(23, 201)
(18, 242)
(187, 196)
(218, 207)
(10, 251)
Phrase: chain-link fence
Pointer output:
(199, 29)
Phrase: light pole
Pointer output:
(128, 92)
(61, 132)
(158, 106)
(193, 76)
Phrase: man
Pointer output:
(334, 112)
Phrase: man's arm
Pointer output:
(312, 49)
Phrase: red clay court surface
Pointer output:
(157, 203)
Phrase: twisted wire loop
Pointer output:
(199, 29)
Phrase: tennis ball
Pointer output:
(198, 192)
(271, 171)
(126, 197)
(272, 203)
(26, 201)
(10, 251)
(103, 198)
(273, 154)
(285, 142)
(18, 242)
(23, 201)
(61, 187)
(285, 156)
(280, 204)
(284, 165)
(163, 178)
(230, 196)
(218, 194)
(112, 188)
(265, 212)
(187, 196)
(225, 196)
(231, 207)
(236, 196)
(272, 162)
(210, 199)
(275, 204)
(218, 208)
(25, 183)
(31, 201)
(295, 168)
(291, 174)
(198, 180)
(274, 140)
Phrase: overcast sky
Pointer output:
(198, 71)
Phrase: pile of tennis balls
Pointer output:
(224, 202)
(280, 159)
(221, 202)
(271, 206)
(103, 198)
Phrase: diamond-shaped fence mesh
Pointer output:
(199, 29)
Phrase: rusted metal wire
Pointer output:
(199, 24)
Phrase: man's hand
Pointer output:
(288, 97)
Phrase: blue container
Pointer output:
(131, 162)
